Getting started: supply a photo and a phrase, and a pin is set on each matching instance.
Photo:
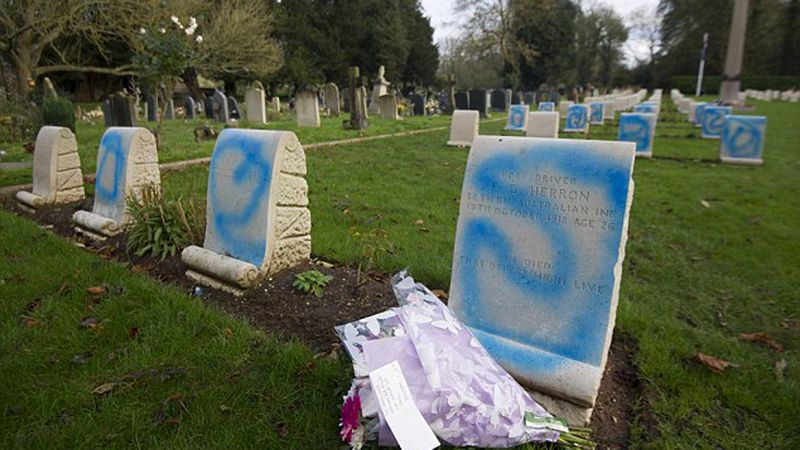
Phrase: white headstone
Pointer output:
(543, 124)
(463, 128)
(380, 87)
(57, 176)
(742, 140)
(276, 104)
(577, 120)
(639, 128)
(547, 106)
(538, 258)
(254, 102)
(332, 101)
(714, 120)
(257, 215)
(597, 113)
(307, 107)
(126, 163)
(517, 118)
(388, 106)
(563, 107)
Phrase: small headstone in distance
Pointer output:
(190, 106)
(517, 118)
(742, 140)
(463, 127)
(639, 128)
(542, 124)
(714, 120)
(233, 108)
(478, 102)
(462, 100)
(547, 106)
(418, 104)
(307, 108)
(577, 120)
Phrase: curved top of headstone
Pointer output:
(50, 143)
(251, 173)
(126, 162)
(257, 85)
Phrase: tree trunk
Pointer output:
(190, 80)
(23, 73)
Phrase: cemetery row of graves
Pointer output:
(540, 212)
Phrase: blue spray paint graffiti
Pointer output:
(516, 117)
(587, 313)
(234, 221)
(642, 108)
(597, 112)
(699, 114)
(742, 136)
(636, 128)
(713, 120)
(547, 106)
(576, 118)
(109, 183)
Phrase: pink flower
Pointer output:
(351, 417)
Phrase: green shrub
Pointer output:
(162, 228)
(311, 281)
(58, 112)
(711, 84)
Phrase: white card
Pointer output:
(404, 419)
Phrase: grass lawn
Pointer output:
(694, 278)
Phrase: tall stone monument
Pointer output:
(379, 87)
(358, 119)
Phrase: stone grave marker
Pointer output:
(547, 106)
(693, 111)
(462, 100)
(714, 120)
(742, 139)
(169, 113)
(190, 106)
(332, 100)
(108, 119)
(276, 104)
(208, 107)
(219, 106)
(542, 124)
(538, 258)
(127, 162)
(417, 104)
(254, 102)
(517, 118)
(379, 87)
(646, 108)
(257, 219)
(152, 107)
(563, 107)
(363, 101)
(57, 176)
(596, 112)
(530, 98)
(698, 114)
(463, 127)
(388, 104)
(499, 100)
(233, 108)
(357, 102)
(477, 102)
(49, 90)
(639, 128)
(609, 110)
(307, 107)
(577, 120)
(123, 110)
(451, 94)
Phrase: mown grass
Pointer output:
(694, 278)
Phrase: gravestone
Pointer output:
(499, 100)
(639, 128)
(693, 111)
(57, 176)
(219, 106)
(609, 110)
(233, 108)
(451, 94)
(547, 106)
(516, 99)
(463, 128)
(257, 219)
(123, 110)
(742, 139)
(698, 114)
(363, 101)
(152, 107)
(517, 118)
(563, 107)
(379, 87)
(190, 106)
(49, 89)
(108, 119)
(646, 108)
(462, 100)
(477, 102)
(538, 258)
(388, 104)
(577, 120)
(530, 98)
(307, 107)
(276, 104)
(332, 102)
(358, 118)
(714, 120)
(542, 124)
(596, 112)
(127, 162)
(169, 113)
(208, 107)
(254, 102)
(417, 104)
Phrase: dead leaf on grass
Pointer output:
(228, 332)
(761, 338)
(33, 305)
(780, 368)
(133, 332)
(106, 388)
(31, 322)
(97, 290)
(705, 203)
(419, 222)
(440, 293)
(283, 429)
(791, 324)
(712, 363)
(63, 289)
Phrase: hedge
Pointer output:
(688, 83)
(58, 112)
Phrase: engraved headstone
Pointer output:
(169, 112)
(276, 104)
(547, 106)
(538, 258)
(517, 118)
(693, 111)
(563, 107)
(332, 102)
(190, 106)
(363, 101)
(639, 128)
(477, 102)
(462, 100)
(57, 176)
(388, 104)
(233, 108)
(463, 128)
(49, 88)
(609, 110)
(356, 101)
(254, 102)
(499, 100)
(742, 139)
(417, 104)
(219, 106)
(257, 219)
(123, 110)
(126, 163)
(647, 108)
(714, 120)
(596, 111)
(530, 98)
(542, 124)
(208, 107)
(698, 114)
(577, 120)
(307, 108)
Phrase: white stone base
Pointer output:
(460, 144)
(648, 155)
(221, 269)
(742, 161)
(96, 224)
(198, 277)
(32, 201)
(576, 416)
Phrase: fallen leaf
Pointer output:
(792, 324)
(30, 322)
(419, 222)
(104, 389)
(780, 368)
(63, 289)
(224, 408)
(133, 332)
(440, 293)
(90, 322)
(705, 204)
(228, 332)
(96, 290)
(33, 305)
(424, 229)
(712, 363)
(761, 338)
